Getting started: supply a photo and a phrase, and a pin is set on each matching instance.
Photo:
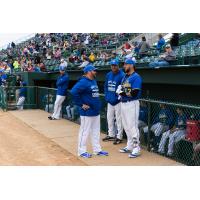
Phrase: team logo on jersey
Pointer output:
(95, 91)
(112, 86)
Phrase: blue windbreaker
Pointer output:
(111, 83)
(86, 91)
(62, 84)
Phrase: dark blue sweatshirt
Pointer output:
(22, 92)
(111, 83)
(86, 91)
(62, 84)
(165, 116)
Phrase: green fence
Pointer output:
(168, 128)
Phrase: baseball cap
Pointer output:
(1, 70)
(62, 60)
(114, 62)
(168, 46)
(89, 68)
(129, 61)
(23, 83)
(61, 68)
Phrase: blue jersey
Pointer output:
(22, 92)
(86, 91)
(165, 116)
(62, 84)
(111, 83)
(160, 43)
(143, 115)
(131, 82)
(181, 121)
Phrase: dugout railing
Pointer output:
(165, 127)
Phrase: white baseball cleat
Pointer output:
(135, 153)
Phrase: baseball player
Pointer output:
(62, 85)
(113, 80)
(130, 92)
(175, 134)
(85, 95)
(161, 124)
(22, 96)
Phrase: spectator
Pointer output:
(175, 134)
(42, 67)
(16, 65)
(57, 54)
(30, 67)
(161, 43)
(92, 57)
(174, 41)
(165, 59)
(13, 45)
(143, 47)
(63, 63)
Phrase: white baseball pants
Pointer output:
(70, 112)
(130, 115)
(114, 112)
(58, 106)
(49, 108)
(90, 126)
(20, 103)
(174, 137)
(157, 128)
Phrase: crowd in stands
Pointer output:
(44, 50)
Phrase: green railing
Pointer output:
(157, 127)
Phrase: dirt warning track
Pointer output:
(22, 145)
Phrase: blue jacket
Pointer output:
(22, 92)
(86, 91)
(111, 83)
(143, 115)
(62, 84)
(160, 43)
(181, 121)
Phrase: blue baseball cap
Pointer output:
(24, 83)
(114, 62)
(89, 68)
(61, 68)
(129, 61)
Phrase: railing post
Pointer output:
(149, 122)
(48, 99)
(36, 88)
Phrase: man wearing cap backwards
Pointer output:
(85, 95)
(113, 80)
(62, 85)
(130, 92)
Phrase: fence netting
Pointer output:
(166, 128)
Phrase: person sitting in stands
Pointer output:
(164, 59)
(161, 42)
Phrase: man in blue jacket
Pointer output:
(85, 94)
(62, 85)
(22, 96)
(3, 77)
(113, 80)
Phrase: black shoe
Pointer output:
(108, 138)
(117, 141)
(50, 117)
